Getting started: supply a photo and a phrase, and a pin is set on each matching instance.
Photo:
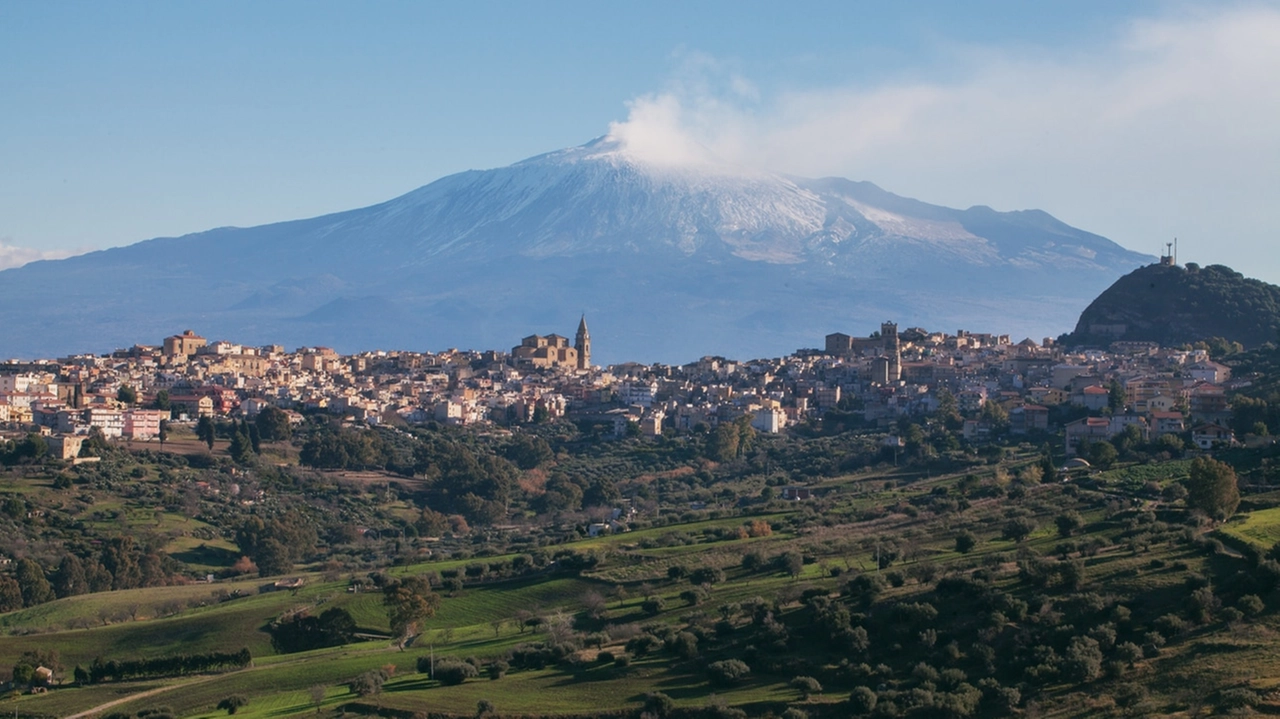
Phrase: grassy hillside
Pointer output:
(1131, 608)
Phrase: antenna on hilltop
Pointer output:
(1170, 256)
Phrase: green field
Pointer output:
(1260, 527)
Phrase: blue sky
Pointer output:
(1140, 121)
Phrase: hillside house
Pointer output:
(1029, 418)
(797, 494)
(1094, 398)
(1208, 436)
(1168, 423)
(1086, 430)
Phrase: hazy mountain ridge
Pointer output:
(670, 262)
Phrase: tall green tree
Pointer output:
(241, 448)
(69, 579)
(409, 602)
(120, 560)
(1212, 488)
(32, 583)
(1115, 397)
(1102, 454)
(1048, 467)
(31, 449)
(126, 394)
(949, 411)
(273, 424)
(273, 558)
(731, 439)
(722, 446)
(205, 430)
(10, 594)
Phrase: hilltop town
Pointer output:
(991, 384)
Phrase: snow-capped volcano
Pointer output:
(600, 198)
(673, 260)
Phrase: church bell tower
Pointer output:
(582, 343)
(892, 349)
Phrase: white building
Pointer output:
(110, 421)
(640, 393)
(19, 383)
(770, 420)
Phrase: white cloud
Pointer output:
(1167, 128)
(654, 131)
(11, 256)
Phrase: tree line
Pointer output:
(121, 564)
(123, 670)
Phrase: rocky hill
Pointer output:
(668, 262)
(1176, 305)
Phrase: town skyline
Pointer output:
(991, 383)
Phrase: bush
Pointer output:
(807, 686)
(724, 712)
(451, 672)
(1068, 523)
(1018, 529)
(862, 700)
(1171, 625)
(707, 575)
(1083, 659)
(684, 645)
(232, 703)
(658, 704)
(1129, 694)
(1251, 605)
(1237, 698)
(367, 684)
(653, 605)
(728, 672)
(643, 644)
(1129, 652)
(1004, 700)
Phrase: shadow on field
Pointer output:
(207, 556)
(414, 685)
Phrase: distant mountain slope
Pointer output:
(669, 262)
(1174, 305)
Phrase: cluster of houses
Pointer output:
(881, 378)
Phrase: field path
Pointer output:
(200, 680)
(140, 695)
